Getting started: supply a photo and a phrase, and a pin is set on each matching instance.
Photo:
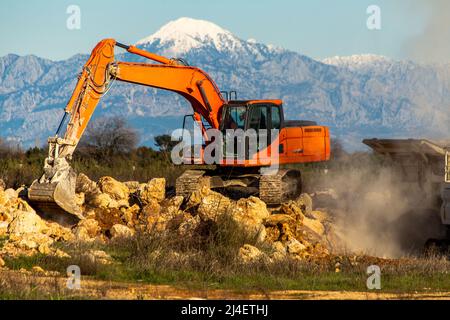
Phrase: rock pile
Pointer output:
(22, 230)
(115, 210)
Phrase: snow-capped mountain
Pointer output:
(185, 34)
(359, 62)
(358, 96)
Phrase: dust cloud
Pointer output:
(432, 45)
(376, 213)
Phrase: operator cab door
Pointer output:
(262, 119)
(234, 118)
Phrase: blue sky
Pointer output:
(317, 28)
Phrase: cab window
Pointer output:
(259, 118)
(235, 118)
(276, 118)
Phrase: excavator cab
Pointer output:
(251, 115)
(261, 116)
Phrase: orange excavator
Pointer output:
(289, 142)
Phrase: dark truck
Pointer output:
(423, 166)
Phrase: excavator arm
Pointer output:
(102, 69)
(55, 190)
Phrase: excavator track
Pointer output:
(274, 189)
(190, 181)
(281, 186)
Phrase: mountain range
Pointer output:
(360, 96)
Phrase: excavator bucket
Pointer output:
(55, 200)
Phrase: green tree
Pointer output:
(164, 143)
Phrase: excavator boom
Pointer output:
(54, 192)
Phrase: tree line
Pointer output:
(109, 147)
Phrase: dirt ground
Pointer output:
(104, 290)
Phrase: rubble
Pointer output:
(115, 189)
(87, 187)
(154, 189)
(213, 206)
(119, 231)
(294, 247)
(10, 194)
(108, 217)
(305, 203)
(279, 247)
(171, 207)
(87, 230)
(314, 225)
(116, 210)
(58, 232)
(188, 226)
(101, 200)
(25, 222)
(196, 197)
(250, 214)
(3, 228)
(133, 186)
(130, 215)
(249, 254)
(320, 216)
(97, 256)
